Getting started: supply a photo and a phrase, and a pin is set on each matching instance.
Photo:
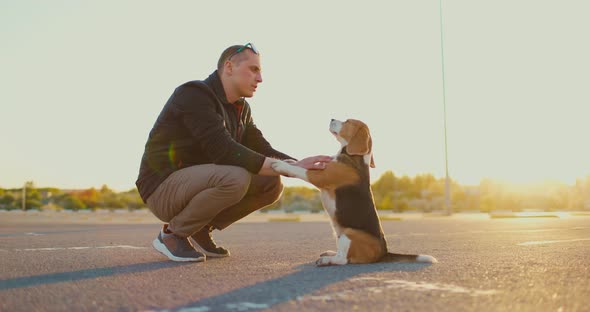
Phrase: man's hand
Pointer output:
(313, 163)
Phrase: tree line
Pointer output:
(423, 192)
(426, 193)
(56, 199)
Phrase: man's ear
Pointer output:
(228, 67)
(361, 143)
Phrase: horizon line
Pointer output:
(291, 182)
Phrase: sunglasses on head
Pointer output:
(244, 47)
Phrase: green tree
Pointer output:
(423, 182)
(487, 204)
(509, 201)
(404, 184)
(132, 199)
(400, 205)
(561, 198)
(386, 203)
(297, 197)
(7, 201)
(109, 199)
(113, 201)
(32, 196)
(90, 198)
(70, 201)
(385, 184)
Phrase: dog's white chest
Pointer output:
(329, 204)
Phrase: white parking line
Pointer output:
(244, 306)
(424, 286)
(385, 284)
(553, 241)
(80, 248)
(486, 232)
(189, 309)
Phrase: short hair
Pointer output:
(227, 53)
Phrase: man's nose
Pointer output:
(259, 78)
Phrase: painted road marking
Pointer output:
(80, 248)
(383, 285)
(190, 309)
(553, 241)
(424, 286)
(245, 306)
(240, 306)
(487, 232)
(386, 284)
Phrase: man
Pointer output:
(206, 164)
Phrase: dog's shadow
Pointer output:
(305, 281)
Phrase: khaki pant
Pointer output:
(193, 197)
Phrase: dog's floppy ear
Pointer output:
(361, 142)
(369, 160)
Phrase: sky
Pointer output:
(82, 82)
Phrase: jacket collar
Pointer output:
(214, 81)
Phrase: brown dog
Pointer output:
(346, 195)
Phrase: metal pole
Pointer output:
(447, 183)
(24, 195)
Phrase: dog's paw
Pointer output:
(282, 167)
(279, 166)
(328, 253)
(331, 260)
(323, 261)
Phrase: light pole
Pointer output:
(24, 195)
(442, 54)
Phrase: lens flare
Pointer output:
(172, 154)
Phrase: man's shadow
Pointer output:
(61, 277)
(305, 281)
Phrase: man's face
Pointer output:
(246, 73)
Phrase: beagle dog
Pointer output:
(345, 191)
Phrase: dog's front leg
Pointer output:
(341, 256)
(289, 170)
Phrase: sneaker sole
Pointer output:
(162, 248)
(205, 252)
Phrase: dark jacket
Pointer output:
(199, 126)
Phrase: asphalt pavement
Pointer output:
(532, 264)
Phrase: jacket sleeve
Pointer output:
(196, 105)
(256, 141)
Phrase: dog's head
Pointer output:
(355, 136)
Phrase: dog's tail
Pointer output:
(394, 257)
